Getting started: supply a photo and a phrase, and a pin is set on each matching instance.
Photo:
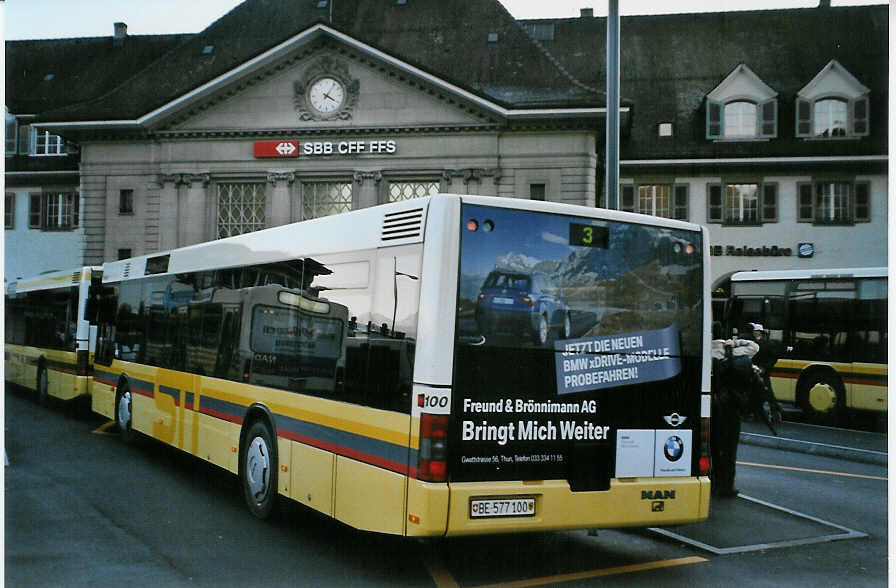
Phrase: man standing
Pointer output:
(765, 359)
(731, 381)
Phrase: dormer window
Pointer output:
(833, 104)
(742, 107)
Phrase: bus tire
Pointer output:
(124, 415)
(821, 398)
(258, 470)
(43, 385)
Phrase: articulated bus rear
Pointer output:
(48, 346)
(580, 392)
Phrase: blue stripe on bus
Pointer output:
(374, 451)
(172, 392)
(222, 409)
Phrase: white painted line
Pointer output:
(814, 444)
(846, 534)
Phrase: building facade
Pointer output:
(775, 137)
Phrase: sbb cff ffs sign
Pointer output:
(284, 148)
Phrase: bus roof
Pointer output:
(53, 279)
(809, 274)
(398, 223)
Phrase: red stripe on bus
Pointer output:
(345, 451)
(873, 381)
(143, 392)
(879, 381)
(221, 415)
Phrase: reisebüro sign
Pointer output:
(744, 250)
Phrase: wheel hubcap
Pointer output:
(543, 330)
(822, 397)
(124, 411)
(258, 467)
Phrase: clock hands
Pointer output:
(330, 89)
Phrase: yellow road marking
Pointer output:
(778, 467)
(652, 565)
(104, 429)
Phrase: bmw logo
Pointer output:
(673, 448)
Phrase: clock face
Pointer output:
(326, 95)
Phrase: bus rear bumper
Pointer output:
(630, 502)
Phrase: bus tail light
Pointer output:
(704, 446)
(432, 465)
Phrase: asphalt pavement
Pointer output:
(853, 445)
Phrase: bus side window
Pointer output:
(102, 311)
(230, 335)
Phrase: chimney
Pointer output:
(121, 31)
(586, 13)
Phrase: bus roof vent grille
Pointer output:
(76, 278)
(126, 272)
(403, 224)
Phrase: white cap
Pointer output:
(756, 327)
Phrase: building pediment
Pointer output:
(833, 80)
(742, 83)
(325, 89)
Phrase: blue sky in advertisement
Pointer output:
(537, 236)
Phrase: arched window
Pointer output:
(740, 119)
(834, 104)
(830, 118)
(742, 108)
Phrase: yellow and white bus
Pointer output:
(443, 366)
(49, 339)
(831, 328)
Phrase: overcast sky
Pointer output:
(50, 19)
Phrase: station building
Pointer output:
(769, 127)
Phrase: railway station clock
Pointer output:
(326, 91)
(326, 95)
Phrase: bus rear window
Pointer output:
(568, 330)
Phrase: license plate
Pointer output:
(499, 300)
(502, 507)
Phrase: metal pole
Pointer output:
(612, 149)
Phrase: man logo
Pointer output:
(675, 419)
(657, 506)
(673, 448)
(657, 494)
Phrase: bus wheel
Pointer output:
(258, 470)
(821, 398)
(43, 394)
(124, 414)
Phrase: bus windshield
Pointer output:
(570, 329)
